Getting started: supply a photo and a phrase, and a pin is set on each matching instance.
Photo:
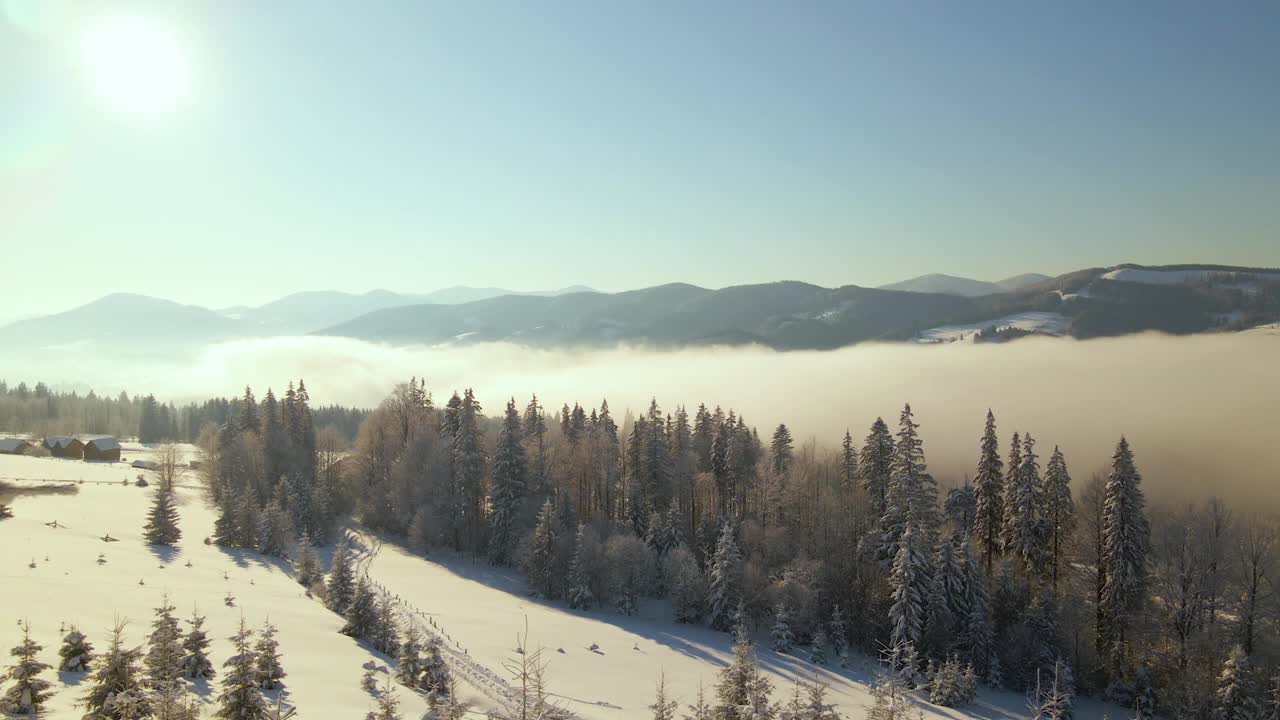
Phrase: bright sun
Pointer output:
(137, 65)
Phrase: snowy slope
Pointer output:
(1177, 277)
(482, 608)
(1047, 323)
(71, 587)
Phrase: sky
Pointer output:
(267, 148)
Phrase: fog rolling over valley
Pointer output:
(1202, 412)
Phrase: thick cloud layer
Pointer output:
(1202, 412)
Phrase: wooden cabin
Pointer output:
(13, 446)
(102, 447)
(61, 446)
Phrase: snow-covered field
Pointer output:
(476, 608)
(1175, 277)
(1047, 323)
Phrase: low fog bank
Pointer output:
(1202, 412)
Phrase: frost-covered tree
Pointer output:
(76, 653)
(912, 495)
(173, 703)
(409, 664)
(267, 658)
(663, 707)
(686, 585)
(275, 528)
(510, 470)
(988, 525)
(195, 649)
(890, 700)
(28, 691)
(780, 451)
(385, 635)
(1126, 537)
(725, 591)
(240, 698)
(580, 595)
(699, 709)
(307, 570)
(909, 585)
(1236, 697)
(362, 613)
(388, 703)
(818, 646)
(742, 690)
(164, 655)
(540, 563)
(1059, 513)
(1054, 694)
(839, 635)
(341, 585)
(781, 638)
(436, 678)
(875, 461)
(1023, 503)
(961, 508)
(953, 684)
(162, 520)
(116, 690)
(631, 570)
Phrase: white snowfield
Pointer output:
(1178, 277)
(476, 609)
(1046, 323)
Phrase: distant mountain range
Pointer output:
(965, 287)
(783, 315)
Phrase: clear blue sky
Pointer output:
(414, 145)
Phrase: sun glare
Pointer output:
(139, 66)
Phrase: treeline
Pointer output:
(41, 411)
(1020, 580)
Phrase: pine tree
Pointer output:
(989, 490)
(818, 646)
(307, 570)
(275, 527)
(743, 690)
(686, 585)
(162, 521)
(409, 665)
(1053, 698)
(76, 652)
(780, 451)
(341, 586)
(890, 700)
(663, 707)
(1059, 512)
(29, 691)
(909, 585)
(240, 698)
(388, 704)
(699, 709)
(1126, 537)
(580, 595)
(848, 465)
(725, 591)
(1236, 697)
(164, 656)
(781, 638)
(386, 629)
(267, 658)
(952, 684)
(839, 635)
(509, 482)
(116, 690)
(960, 509)
(913, 493)
(195, 646)
(875, 462)
(1024, 500)
(436, 678)
(540, 564)
(362, 613)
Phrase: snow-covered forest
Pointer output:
(1024, 580)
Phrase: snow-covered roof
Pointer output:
(102, 442)
(58, 441)
(11, 444)
(145, 464)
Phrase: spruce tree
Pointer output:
(818, 646)
(686, 585)
(1024, 500)
(913, 493)
(781, 638)
(164, 655)
(76, 652)
(848, 465)
(362, 613)
(195, 647)
(388, 704)
(989, 491)
(436, 678)
(240, 698)
(409, 665)
(1059, 512)
(386, 629)
(1236, 696)
(162, 521)
(909, 584)
(839, 635)
(508, 487)
(580, 595)
(275, 528)
(116, 686)
(663, 707)
(816, 705)
(27, 694)
(890, 700)
(267, 658)
(743, 689)
(780, 451)
(1126, 537)
(540, 564)
(307, 570)
(875, 462)
(699, 709)
(725, 592)
(341, 584)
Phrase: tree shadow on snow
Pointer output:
(165, 553)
